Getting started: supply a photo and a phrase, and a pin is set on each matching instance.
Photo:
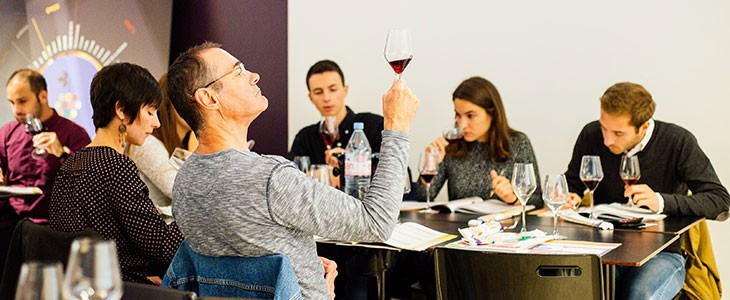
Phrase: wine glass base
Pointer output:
(428, 211)
(559, 237)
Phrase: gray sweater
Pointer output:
(235, 203)
(469, 176)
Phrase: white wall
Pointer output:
(550, 60)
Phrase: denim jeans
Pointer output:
(659, 278)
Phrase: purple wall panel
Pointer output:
(256, 33)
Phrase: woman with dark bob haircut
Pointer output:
(98, 186)
(481, 163)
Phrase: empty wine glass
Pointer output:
(523, 184)
(555, 193)
(92, 271)
(39, 281)
(630, 172)
(591, 173)
(398, 50)
(329, 130)
(321, 173)
(453, 133)
(33, 126)
(428, 164)
(302, 163)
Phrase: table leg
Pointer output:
(609, 282)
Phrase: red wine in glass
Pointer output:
(399, 65)
(591, 184)
(328, 139)
(630, 180)
(427, 177)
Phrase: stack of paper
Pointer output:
(414, 236)
(7, 191)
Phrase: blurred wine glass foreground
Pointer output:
(39, 281)
(93, 271)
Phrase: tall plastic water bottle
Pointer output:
(357, 163)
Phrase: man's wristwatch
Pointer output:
(65, 153)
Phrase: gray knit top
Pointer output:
(469, 176)
(236, 203)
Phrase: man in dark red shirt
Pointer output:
(27, 94)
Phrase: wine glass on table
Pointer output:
(39, 281)
(33, 126)
(398, 50)
(591, 173)
(555, 193)
(92, 271)
(303, 163)
(329, 130)
(428, 168)
(630, 172)
(523, 184)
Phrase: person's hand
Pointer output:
(330, 159)
(439, 144)
(503, 188)
(642, 195)
(156, 280)
(330, 272)
(573, 201)
(49, 141)
(399, 107)
(2, 177)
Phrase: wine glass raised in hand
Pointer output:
(555, 193)
(328, 130)
(523, 184)
(591, 173)
(398, 50)
(630, 171)
(453, 134)
(92, 271)
(428, 168)
(33, 126)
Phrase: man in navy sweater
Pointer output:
(677, 178)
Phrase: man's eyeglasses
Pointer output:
(237, 69)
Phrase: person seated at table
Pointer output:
(327, 91)
(230, 201)
(672, 164)
(481, 163)
(152, 157)
(98, 187)
(27, 93)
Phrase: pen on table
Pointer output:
(491, 193)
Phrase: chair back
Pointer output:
(462, 274)
(265, 277)
(33, 242)
(136, 291)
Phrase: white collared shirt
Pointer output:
(640, 146)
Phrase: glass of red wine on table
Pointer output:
(398, 50)
(591, 173)
(329, 131)
(428, 166)
(630, 172)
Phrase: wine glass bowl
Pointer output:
(591, 173)
(303, 163)
(329, 130)
(92, 271)
(523, 185)
(453, 134)
(555, 193)
(630, 171)
(398, 50)
(428, 164)
(33, 126)
(39, 280)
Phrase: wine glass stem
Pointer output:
(428, 196)
(523, 219)
(397, 76)
(590, 196)
(555, 222)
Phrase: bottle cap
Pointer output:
(358, 126)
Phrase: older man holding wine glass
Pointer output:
(672, 164)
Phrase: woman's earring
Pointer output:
(123, 135)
